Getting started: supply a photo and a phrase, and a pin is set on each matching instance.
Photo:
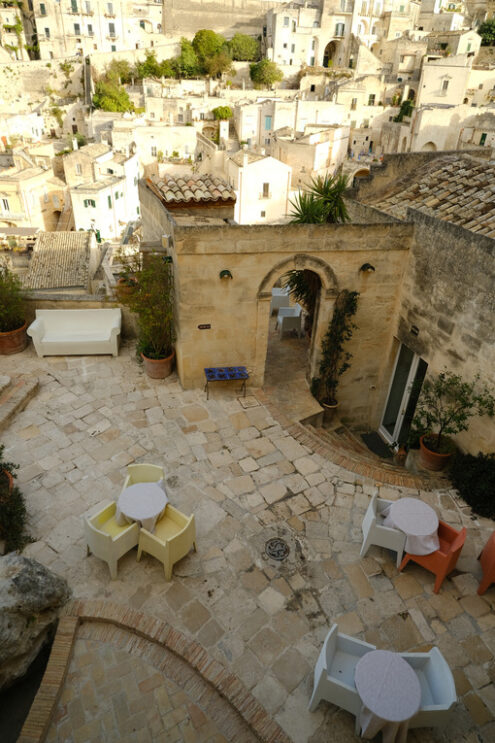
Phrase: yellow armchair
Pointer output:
(106, 539)
(143, 473)
(174, 536)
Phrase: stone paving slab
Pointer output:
(94, 415)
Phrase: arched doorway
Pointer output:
(330, 53)
(290, 357)
(429, 147)
(411, 95)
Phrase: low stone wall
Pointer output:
(37, 77)
(44, 301)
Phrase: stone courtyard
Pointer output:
(231, 463)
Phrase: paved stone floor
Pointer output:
(246, 480)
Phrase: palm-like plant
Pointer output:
(322, 203)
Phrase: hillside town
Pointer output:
(295, 200)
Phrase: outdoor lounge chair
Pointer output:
(438, 694)
(175, 534)
(487, 560)
(106, 539)
(334, 672)
(444, 559)
(143, 473)
(382, 536)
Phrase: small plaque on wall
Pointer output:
(205, 326)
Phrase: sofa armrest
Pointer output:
(36, 329)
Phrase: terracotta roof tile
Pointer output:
(184, 189)
(59, 260)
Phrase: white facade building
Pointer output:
(262, 186)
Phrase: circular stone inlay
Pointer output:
(277, 549)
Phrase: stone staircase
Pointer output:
(342, 447)
(14, 396)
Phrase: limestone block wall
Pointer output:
(36, 77)
(449, 295)
(226, 17)
(238, 310)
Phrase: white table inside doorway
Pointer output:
(143, 502)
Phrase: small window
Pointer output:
(137, 210)
(469, 47)
(47, 35)
(312, 88)
(312, 61)
(89, 202)
(153, 150)
(73, 5)
(353, 104)
(110, 171)
(141, 24)
(109, 199)
(87, 7)
(285, 46)
(293, 48)
(313, 45)
(445, 85)
(113, 48)
(268, 123)
(90, 30)
(266, 190)
(267, 140)
(111, 29)
(77, 29)
(116, 195)
(286, 21)
(78, 169)
(110, 8)
(371, 99)
(42, 9)
(402, 58)
(480, 86)
(201, 117)
(293, 25)
(316, 24)
(263, 214)
(5, 205)
(339, 29)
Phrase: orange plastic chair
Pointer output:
(443, 560)
(487, 559)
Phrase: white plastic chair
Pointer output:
(143, 473)
(382, 536)
(175, 535)
(280, 298)
(290, 318)
(334, 672)
(438, 694)
(106, 539)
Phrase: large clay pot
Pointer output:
(14, 341)
(432, 460)
(158, 368)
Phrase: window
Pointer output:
(267, 140)
(113, 48)
(47, 33)
(263, 214)
(339, 29)
(293, 48)
(109, 199)
(401, 8)
(366, 123)
(445, 85)
(266, 190)
(87, 7)
(312, 88)
(116, 195)
(312, 61)
(285, 46)
(483, 138)
(480, 86)
(110, 8)
(313, 45)
(371, 99)
(111, 29)
(402, 58)
(353, 104)
(5, 205)
(180, 118)
(343, 4)
(78, 169)
(286, 21)
(137, 210)
(77, 29)
(201, 117)
(110, 171)
(90, 30)
(469, 47)
(73, 5)
(141, 24)
(316, 24)
(364, 8)
(153, 150)
(90, 202)
(293, 25)
(268, 123)
(42, 9)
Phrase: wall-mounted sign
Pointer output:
(206, 326)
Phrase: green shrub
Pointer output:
(12, 306)
(12, 510)
(474, 478)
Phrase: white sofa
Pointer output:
(76, 332)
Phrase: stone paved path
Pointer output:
(246, 480)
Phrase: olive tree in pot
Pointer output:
(13, 336)
(444, 407)
(152, 300)
(334, 359)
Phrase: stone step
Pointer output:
(14, 396)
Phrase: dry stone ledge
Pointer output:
(30, 599)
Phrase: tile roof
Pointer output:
(60, 260)
(188, 188)
(456, 188)
(252, 157)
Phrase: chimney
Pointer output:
(245, 158)
(74, 144)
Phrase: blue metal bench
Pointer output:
(225, 374)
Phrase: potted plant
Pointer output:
(334, 360)
(304, 286)
(152, 300)
(13, 336)
(12, 509)
(444, 407)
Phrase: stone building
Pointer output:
(427, 299)
(316, 151)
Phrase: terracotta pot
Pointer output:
(158, 368)
(432, 460)
(13, 341)
(400, 456)
(123, 289)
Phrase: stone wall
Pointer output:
(449, 295)
(37, 77)
(46, 301)
(225, 17)
(238, 310)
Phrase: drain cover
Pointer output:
(277, 549)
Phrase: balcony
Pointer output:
(12, 216)
(109, 15)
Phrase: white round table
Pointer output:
(418, 521)
(143, 502)
(390, 693)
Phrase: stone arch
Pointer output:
(429, 147)
(328, 293)
(330, 53)
(299, 261)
